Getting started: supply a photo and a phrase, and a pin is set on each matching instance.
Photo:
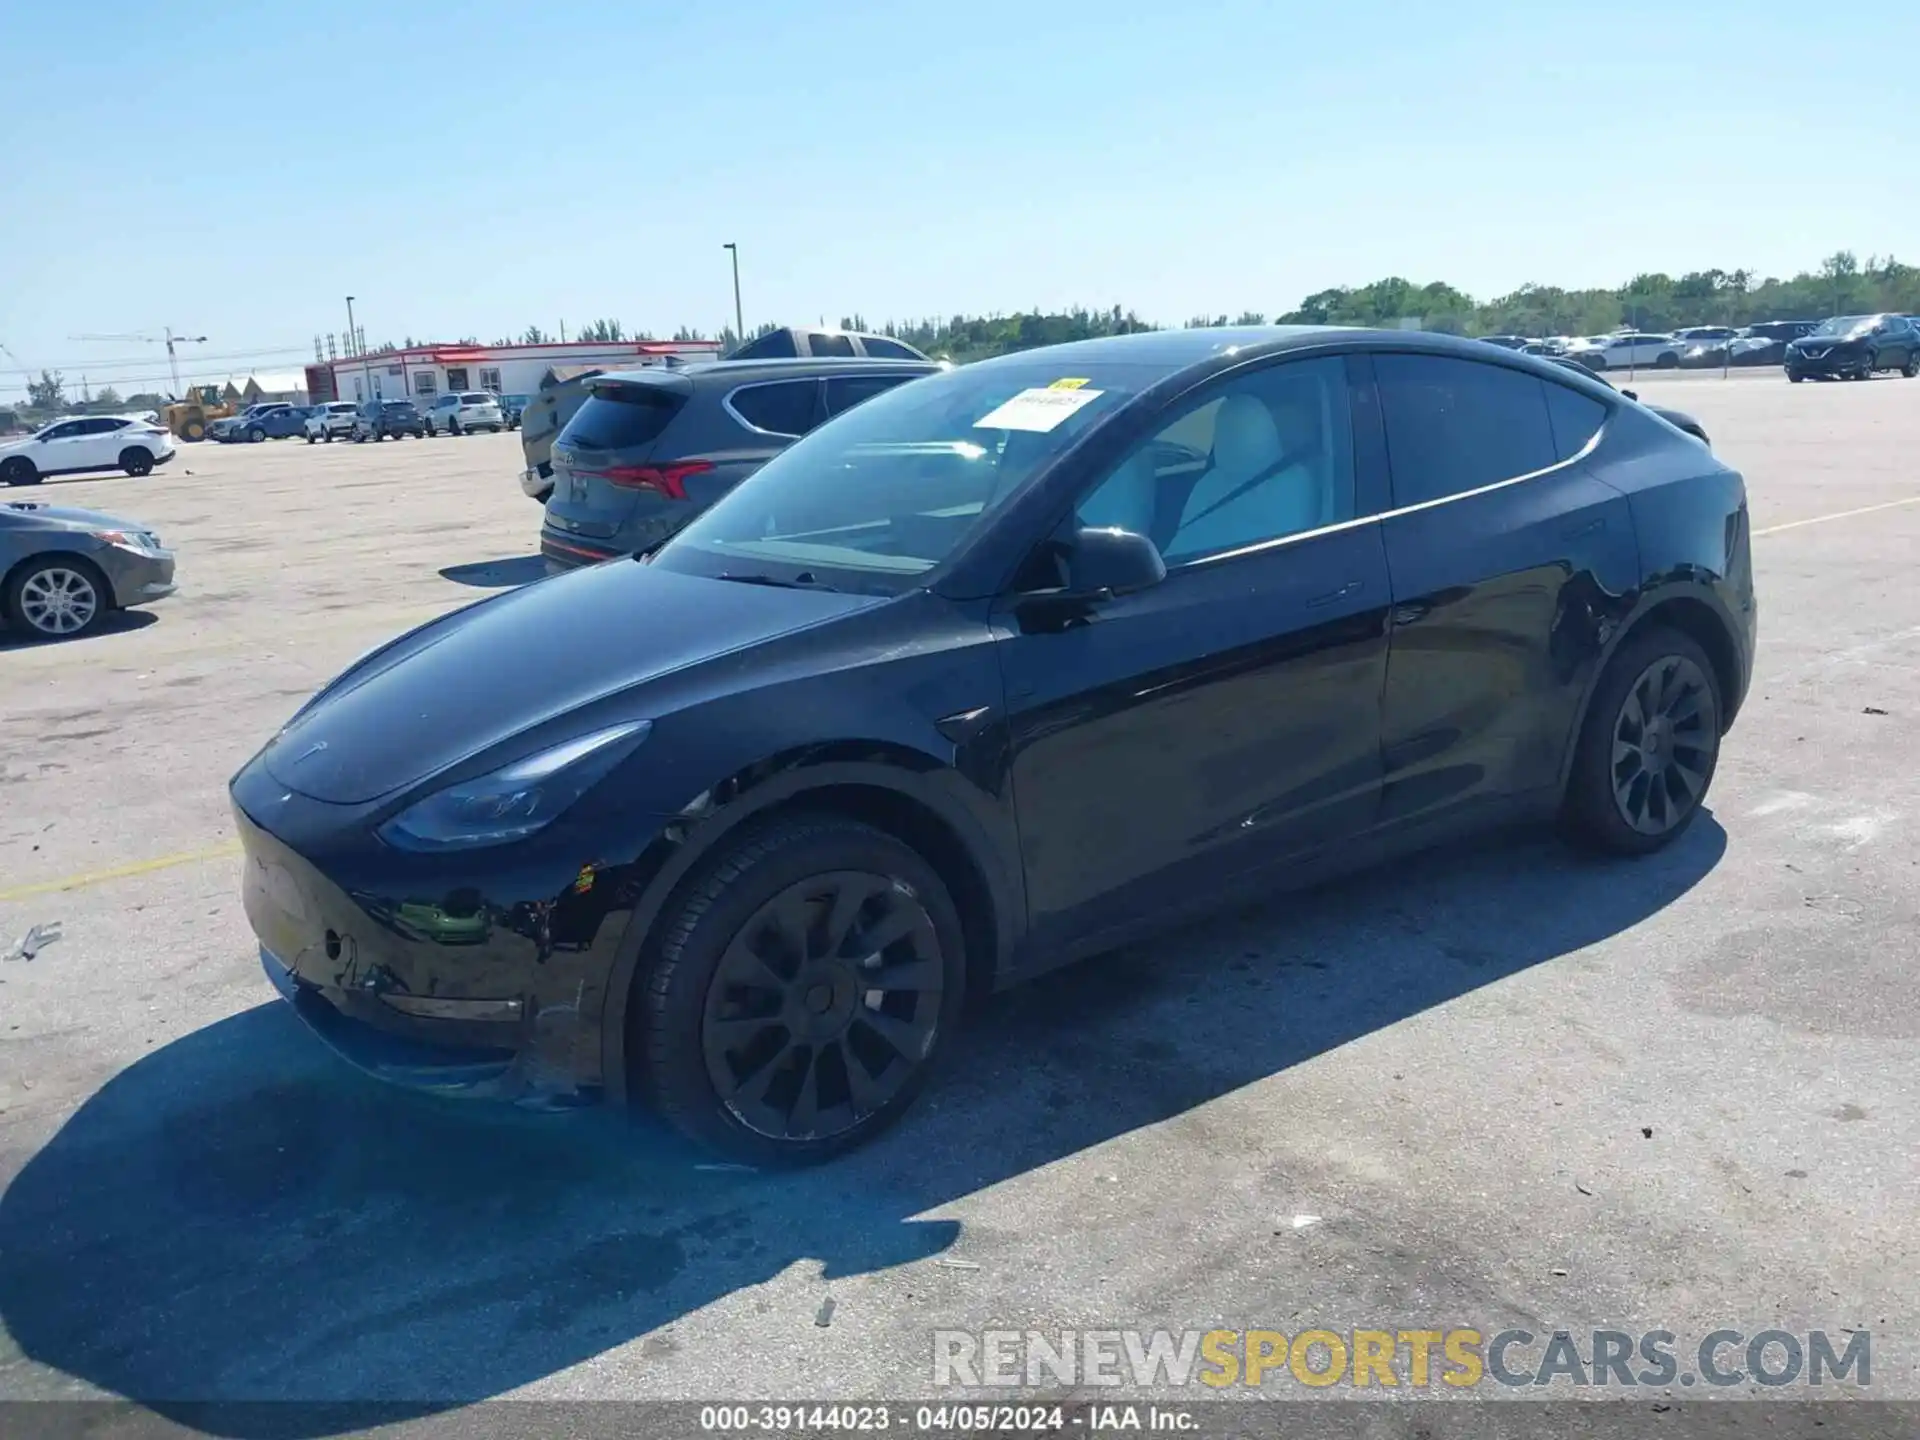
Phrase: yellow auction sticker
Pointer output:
(1066, 384)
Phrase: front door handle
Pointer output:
(1332, 595)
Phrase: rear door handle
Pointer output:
(1332, 595)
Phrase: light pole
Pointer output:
(353, 339)
(739, 321)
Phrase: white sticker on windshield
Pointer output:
(1037, 409)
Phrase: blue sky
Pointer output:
(477, 168)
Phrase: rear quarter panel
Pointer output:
(1691, 520)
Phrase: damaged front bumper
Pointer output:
(484, 984)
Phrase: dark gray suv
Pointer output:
(651, 448)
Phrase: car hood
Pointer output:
(1821, 342)
(64, 517)
(474, 679)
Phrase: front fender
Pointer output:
(717, 813)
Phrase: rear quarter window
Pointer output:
(1575, 418)
(783, 408)
(1455, 425)
(621, 417)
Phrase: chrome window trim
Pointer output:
(1261, 547)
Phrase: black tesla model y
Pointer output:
(996, 670)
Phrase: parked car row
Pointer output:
(450, 414)
(1846, 346)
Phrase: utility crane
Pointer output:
(167, 338)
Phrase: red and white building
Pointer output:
(423, 372)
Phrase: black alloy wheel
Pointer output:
(1647, 751)
(802, 992)
(1912, 367)
(136, 461)
(1867, 368)
(18, 470)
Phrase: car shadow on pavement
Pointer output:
(239, 1217)
(120, 622)
(497, 574)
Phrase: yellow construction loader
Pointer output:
(188, 419)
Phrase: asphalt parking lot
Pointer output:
(1488, 1088)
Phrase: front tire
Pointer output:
(57, 597)
(806, 983)
(18, 470)
(256, 435)
(1647, 751)
(136, 461)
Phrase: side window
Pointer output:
(889, 349)
(1575, 419)
(1456, 425)
(61, 432)
(1256, 458)
(821, 343)
(423, 384)
(774, 345)
(843, 393)
(110, 425)
(785, 408)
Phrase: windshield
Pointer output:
(1844, 325)
(878, 497)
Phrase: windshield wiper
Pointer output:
(803, 581)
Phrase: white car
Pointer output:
(1630, 348)
(466, 410)
(88, 442)
(331, 420)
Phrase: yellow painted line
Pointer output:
(1838, 515)
(121, 872)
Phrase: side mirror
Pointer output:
(1104, 563)
(1630, 394)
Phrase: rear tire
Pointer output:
(453, 425)
(1648, 747)
(18, 470)
(193, 431)
(762, 1031)
(1912, 367)
(1666, 360)
(136, 461)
